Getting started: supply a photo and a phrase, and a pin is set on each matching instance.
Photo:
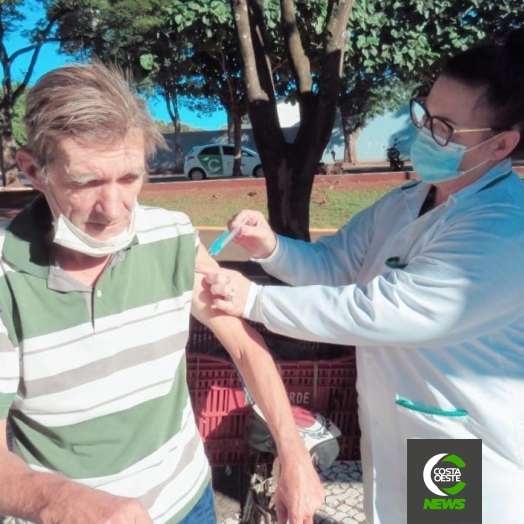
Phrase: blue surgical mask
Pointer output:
(434, 163)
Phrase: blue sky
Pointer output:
(49, 58)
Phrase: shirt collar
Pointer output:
(27, 239)
(26, 246)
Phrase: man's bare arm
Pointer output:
(300, 492)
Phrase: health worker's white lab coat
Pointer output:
(435, 307)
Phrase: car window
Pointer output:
(248, 152)
(210, 150)
(228, 150)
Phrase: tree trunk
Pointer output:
(171, 99)
(8, 163)
(178, 150)
(289, 168)
(230, 126)
(351, 134)
(237, 141)
(350, 148)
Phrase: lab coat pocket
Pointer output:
(421, 421)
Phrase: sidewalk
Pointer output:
(342, 483)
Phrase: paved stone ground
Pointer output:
(342, 483)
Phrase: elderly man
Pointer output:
(95, 297)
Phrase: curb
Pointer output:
(312, 230)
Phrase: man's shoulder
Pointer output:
(160, 216)
(155, 223)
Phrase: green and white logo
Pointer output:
(440, 488)
(434, 476)
(212, 163)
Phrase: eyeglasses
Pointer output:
(441, 131)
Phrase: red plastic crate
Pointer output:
(221, 406)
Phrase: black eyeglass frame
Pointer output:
(440, 140)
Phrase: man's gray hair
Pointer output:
(86, 102)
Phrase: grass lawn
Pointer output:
(332, 203)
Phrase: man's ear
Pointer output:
(29, 166)
(506, 144)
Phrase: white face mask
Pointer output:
(69, 236)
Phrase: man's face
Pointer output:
(96, 187)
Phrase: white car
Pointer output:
(217, 160)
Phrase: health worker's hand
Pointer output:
(229, 288)
(255, 236)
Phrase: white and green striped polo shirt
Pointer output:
(94, 379)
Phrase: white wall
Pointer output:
(371, 145)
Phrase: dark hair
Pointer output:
(499, 69)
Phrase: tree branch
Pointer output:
(337, 27)
(245, 42)
(299, 60)
(321, 110)
(4, 60)
(42, 39)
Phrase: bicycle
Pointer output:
(321, 437)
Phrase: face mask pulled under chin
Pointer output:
(434, 163)
(69, 236)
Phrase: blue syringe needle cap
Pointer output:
(220, 243)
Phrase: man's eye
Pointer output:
(86, 183)
(130, 179)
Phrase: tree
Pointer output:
(11, 17)
(208, 69)
(19, 132)
(209, 64)
(290, 167)
(364, 97)
(389, 45)
(124, 32)
(396, 46)
(175, 48)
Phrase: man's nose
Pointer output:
(110, 201)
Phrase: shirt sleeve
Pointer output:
(9, 371)
(331, 260)
(467, 282)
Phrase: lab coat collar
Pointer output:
(416, 191)
(489, 178)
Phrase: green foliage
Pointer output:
(168, 127)
(394, 46)
(412, 36)
(19, 131)
(188, 48)
(11, 131)
(165, 127)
